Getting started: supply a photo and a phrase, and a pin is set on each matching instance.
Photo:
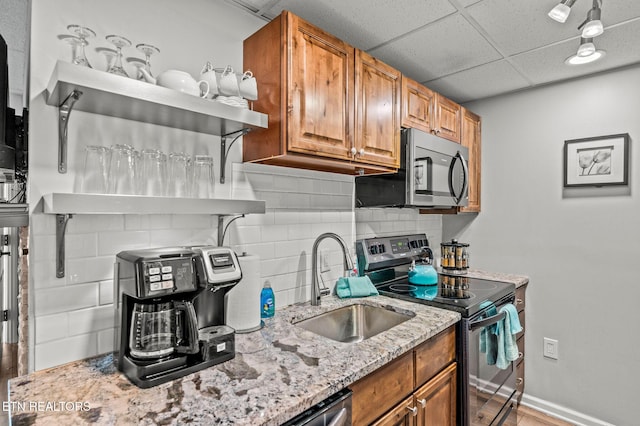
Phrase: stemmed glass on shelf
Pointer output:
(119, 42)
(80, 41)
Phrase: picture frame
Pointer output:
(597, 161)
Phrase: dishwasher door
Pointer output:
(333, 411)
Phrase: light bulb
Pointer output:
(586, 47)
(560, 13)
(592, 29)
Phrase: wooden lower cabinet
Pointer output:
(436, 401)
(418, 388)
(520, 305)
(403, 414)
(434, 404)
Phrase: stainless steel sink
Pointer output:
(353, 323)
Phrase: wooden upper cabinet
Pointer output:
(320, 100)
(307, 85)
(471, 138)
(377, 135)
(447, 118)
(417, 105)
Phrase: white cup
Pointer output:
(228, 83)
(208, 74)
(248, 86)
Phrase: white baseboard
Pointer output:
(560, 412)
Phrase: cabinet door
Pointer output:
(447, 119)
(320, 92)
(380, 391)
(403, 414)
(417, 105)
(471, 131)
(436, 400)
(377, 136)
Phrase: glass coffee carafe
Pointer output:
(161, 329)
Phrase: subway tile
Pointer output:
(42, 247)
(81, 245)
(274, 267)
(287, 248)
(159, 221)
(84, 321)
(89, 269)
(65, 299)
(299, 232)
(105, 295)
(249, 234)
(275, 233)
(43, 275)
(263, 250)
(51, 327)
(190, 221)
(286, 217)
(80, 224)
(106, 341)
(286, 183)
(111, 243)
(42, 224)
(65, 350)
(267, 218)
(310, 216)
(168, 237)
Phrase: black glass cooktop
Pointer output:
(458, 293)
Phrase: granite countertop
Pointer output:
(278, 372)
(518, 280)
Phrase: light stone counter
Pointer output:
(278, 372)
(518, 280)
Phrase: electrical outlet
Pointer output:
(550, 349)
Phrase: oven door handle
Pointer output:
(505, 415)
(487, 321)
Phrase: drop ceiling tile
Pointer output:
(367, 23)
(467, 3)
(445, 47)
(12, 23)
(480, 82)
(547, 64)
(518, 26)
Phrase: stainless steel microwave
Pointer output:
(433, 173)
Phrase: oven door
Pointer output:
(491, 390)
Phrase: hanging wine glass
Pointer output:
(148, 50)
(80, 41)
(119, 42)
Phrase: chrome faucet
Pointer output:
(316, 291)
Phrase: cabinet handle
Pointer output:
(519, 381)
(413, 410)
(520, 355)
(354, 151)
(519, 301)
(361, 152)
(422, 402)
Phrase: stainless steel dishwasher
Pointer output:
(333, 411)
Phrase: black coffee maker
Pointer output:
(160, 335)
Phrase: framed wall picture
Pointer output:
(597, 161)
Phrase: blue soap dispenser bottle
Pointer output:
(267, 301)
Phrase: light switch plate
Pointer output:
(550, 349)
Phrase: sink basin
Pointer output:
(353, 323)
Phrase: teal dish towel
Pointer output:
(506, 335)
(355, 287)
(488, 336)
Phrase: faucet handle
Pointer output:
(324, 292)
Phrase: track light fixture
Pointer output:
(586, 53)
(561, 11)
(592, 26)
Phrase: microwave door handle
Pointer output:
(465, 178)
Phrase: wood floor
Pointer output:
(9, 369)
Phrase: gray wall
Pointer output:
(579, 248)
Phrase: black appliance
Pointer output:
(433, 173)
(168, 324)
(486, 393)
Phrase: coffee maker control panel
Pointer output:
(157, 272)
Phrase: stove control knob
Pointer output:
(381, 248)
(373, 249)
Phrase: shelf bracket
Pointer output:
(61, 228)
(64, 112)
(224, 150)
(222, 230)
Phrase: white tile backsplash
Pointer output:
(74, 315)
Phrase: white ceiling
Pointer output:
(470, 49)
